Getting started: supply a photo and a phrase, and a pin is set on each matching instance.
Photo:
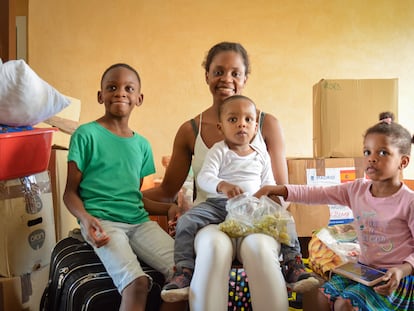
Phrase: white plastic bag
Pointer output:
(247, 215)
(26, 99)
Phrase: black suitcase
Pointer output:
(78, 281)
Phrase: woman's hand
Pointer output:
(173, 214)
(184, 202)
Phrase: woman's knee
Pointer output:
(214, 242)
(259, 246)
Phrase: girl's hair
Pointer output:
(224, 47)
(124, 66)
(400, 137)
(231, 98)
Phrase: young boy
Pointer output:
(106, 164)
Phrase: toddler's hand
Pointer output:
(229, 190)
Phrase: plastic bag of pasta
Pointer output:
(240, 210)
(273, 219)
(247, 214)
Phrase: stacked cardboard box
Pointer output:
(323, 172)
(67, 121)
(342, 111)
(64, 220)
(27, 232)
(23, 293)
(26, 224)
(27, 236)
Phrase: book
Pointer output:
(361, 273)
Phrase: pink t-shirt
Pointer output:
(385, 226)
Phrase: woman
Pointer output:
(226, 72)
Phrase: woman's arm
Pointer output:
(273, 136)
(178, 168)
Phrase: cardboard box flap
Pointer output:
(66, 120)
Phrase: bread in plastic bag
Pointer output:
(332, 246)
(247, 214)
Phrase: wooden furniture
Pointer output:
(7, 30)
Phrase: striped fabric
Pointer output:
(364, 298)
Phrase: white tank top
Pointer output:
(200, 151)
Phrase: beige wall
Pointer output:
(292, 44)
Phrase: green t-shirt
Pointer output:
(111, 167)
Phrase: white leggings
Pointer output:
(215, 252)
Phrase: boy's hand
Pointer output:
(228, 189)
(96, 235)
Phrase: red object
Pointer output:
(25, 153)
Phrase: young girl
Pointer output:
(383, 209)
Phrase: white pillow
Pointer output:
(26, 99)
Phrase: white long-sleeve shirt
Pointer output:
(222, 164)
(384, 225)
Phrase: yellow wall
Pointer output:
(292, 44)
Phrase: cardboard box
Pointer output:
(72, 113)
(409, 183)
(316, 171)
(27, 229)
(58, 167)
(344, 109)
(10, 294)
(23, 293)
